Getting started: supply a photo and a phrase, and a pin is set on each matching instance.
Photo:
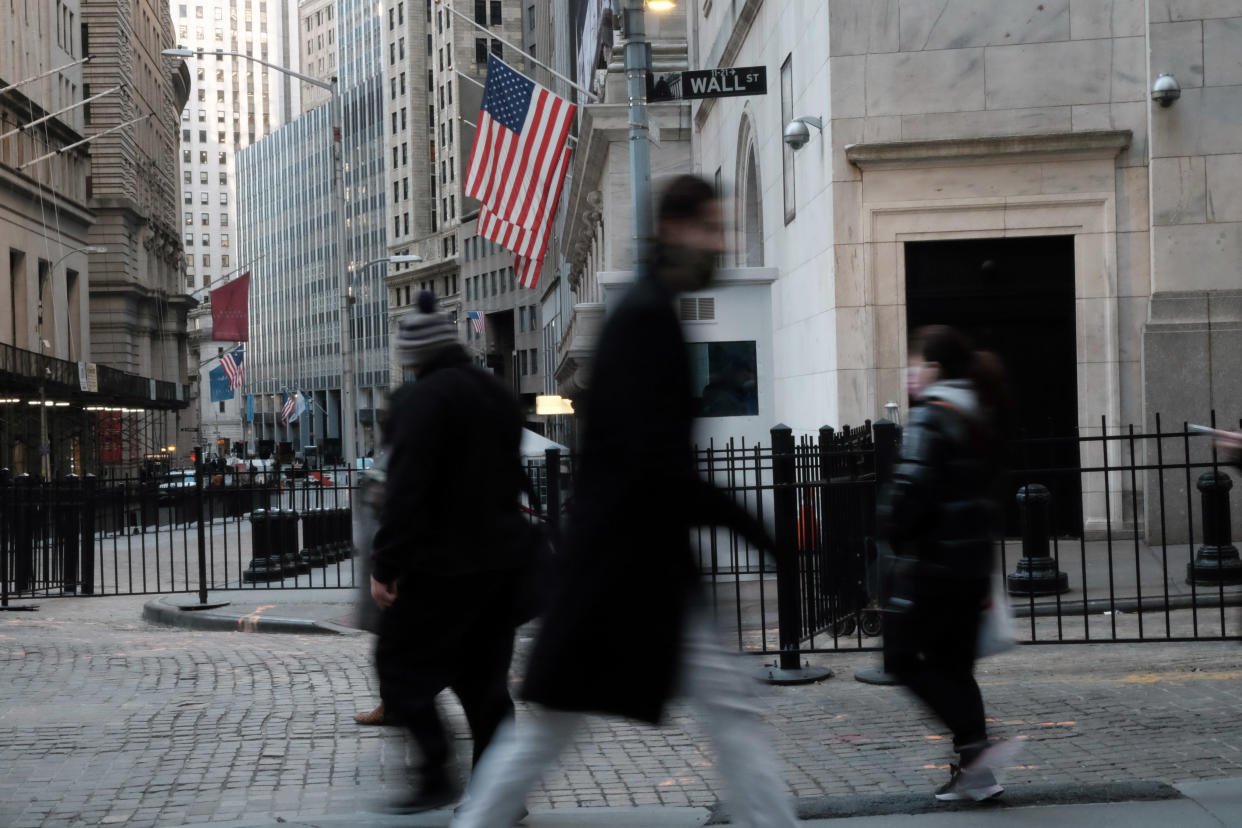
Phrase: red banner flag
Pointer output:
(230, 313)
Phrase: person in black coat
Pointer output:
(449, 546)
(941, 517)
(629, 616)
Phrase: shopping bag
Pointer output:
(996, 627)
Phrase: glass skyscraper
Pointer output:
(285, 216)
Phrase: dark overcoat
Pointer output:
(611, 641)
(451, 505)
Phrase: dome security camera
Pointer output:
(1165, 90)
(798, 133)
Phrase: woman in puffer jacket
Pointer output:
(941, 517)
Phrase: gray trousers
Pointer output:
(756, 794)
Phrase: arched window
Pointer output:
(749, 212)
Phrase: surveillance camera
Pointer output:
(797, 134)
(1165, 90)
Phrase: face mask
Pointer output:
(695, 267)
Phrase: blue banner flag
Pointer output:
(221, 389)
(250, 408)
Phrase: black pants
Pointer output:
(931, 648)
(448, 632)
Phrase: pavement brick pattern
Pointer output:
(107, 720)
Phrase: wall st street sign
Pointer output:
(724, 83)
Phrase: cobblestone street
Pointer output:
(105, 719)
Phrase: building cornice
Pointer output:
(1093, 144)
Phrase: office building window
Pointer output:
(530, 16)
(224, 260)
(480, 50)
(495, 12)
(480, 12)
(498, 49)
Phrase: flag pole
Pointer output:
(520, 51)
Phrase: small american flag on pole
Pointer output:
(287, 409)
(476, 321)
(518, 164)
(233, 367)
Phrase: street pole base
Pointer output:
(1037, 580)
(806, 674)
(877, 676)
(262, 571)
(1215, 566)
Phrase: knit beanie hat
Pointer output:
(424, 332)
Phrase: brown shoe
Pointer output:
(371, 717)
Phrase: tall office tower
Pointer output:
(435, 65)
(287, 215)
(233, 103)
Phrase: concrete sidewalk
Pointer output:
(1132, 805)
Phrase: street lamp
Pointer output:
(338, 204)
(393, 259)
(637, 58)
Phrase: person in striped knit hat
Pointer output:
(449, 545)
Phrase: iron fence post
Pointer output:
(87, 553)
(7, 512)
(552, 500)
(789, 669)
(202, 529)
(23, 538)
(68, 518)
(785, 511)
(1216, 562)
(886, 437)
(1037, 572)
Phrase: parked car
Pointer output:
(176, 484)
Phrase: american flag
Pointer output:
(518, 164)
(286, 410)
(476, 321)
(232, 363)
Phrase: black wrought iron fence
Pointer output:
(1153, 556)
(182, 532)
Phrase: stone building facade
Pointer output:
(1002, 167)
(92, 310)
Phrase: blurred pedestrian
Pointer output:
(366, 518)
(941, 516)
(450, 542)
(629, 625)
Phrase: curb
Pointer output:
(1019, 796)
(160, 611)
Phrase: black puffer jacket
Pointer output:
(939, 508)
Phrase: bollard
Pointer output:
(23, 533)
(87, 552)
(1037, 572)
(789, 669)
(1216, 562)
(263, 565)
(346, 529)
(67, 518)
(291, 558)
(312, 534)
(332, 545)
